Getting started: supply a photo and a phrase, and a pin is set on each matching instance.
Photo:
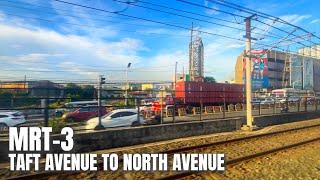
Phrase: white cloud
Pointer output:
(295, 18)
(49, 46)
(315, 21)
(213, 10)
(33, 57)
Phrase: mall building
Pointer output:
(276, 70)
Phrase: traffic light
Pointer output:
(102, 80)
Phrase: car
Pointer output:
(82, 114)
(267, 101)
(293, 99)
(145, 108)
(281, 100)
(11, 119)
(255, 101)
(117, 118)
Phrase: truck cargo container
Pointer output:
(196, 93)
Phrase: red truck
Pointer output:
(195, 93)
(190, 94)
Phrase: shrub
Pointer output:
(57, 124)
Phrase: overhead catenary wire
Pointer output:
(197, 19)
(188, 12)
(164, 23)
(96, 27)
(22, 5)
(268, 16)
(238, 15)
(271, 34)
(180, 27)
(256, 13)
(150, 20)
(145, 19)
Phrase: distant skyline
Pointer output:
(55, 41)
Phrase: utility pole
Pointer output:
(248, 71)
(101, 80)
(46, 108)
(174, 97)
(25, 82)
(175, 75)
(127, 84)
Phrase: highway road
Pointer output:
(36, 120)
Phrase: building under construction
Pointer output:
(196, 59)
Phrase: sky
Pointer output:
(52, 40)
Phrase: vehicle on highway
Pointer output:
(71, 106)
(255, 101)
(117, 118)
(267, 101)
(11, 118)
(292, 99)
(82, 114)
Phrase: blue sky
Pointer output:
(52, 40)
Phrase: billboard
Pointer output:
(316, 75)
(296, 72)
(308, 73)
(302, 72)
(259, 69)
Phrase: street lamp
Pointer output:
(101, 80)
(127, 84)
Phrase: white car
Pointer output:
(117, 118)
(11, 118)
(292, 99)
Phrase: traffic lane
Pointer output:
(40, 120)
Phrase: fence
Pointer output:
(147, 107)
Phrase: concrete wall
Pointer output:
(270, 120)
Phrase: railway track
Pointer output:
(45, 175)
(242, 159)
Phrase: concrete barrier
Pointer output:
(269, 120)
(208, 110)
(111, 138)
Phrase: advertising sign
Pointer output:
(259, 69)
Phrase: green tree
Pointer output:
(210, 79)
(88, 92)
(5, 99)
(73, 91)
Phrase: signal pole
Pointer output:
(101, 80)
(248, 71)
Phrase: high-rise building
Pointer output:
(196, 59)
